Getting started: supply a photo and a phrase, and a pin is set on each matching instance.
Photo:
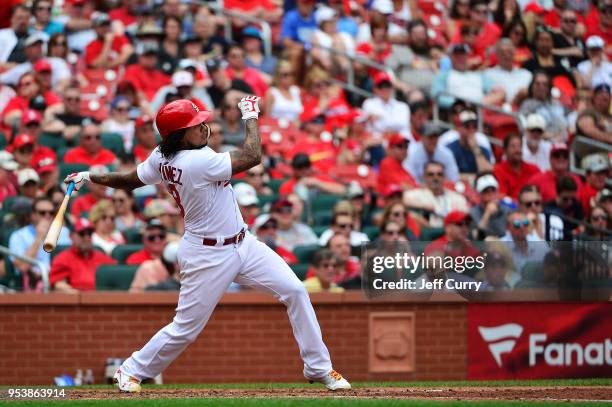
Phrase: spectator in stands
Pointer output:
(512, 173)
(237, 68)
(28, 182)
(343, 223)
(74, 269)
(604, 199)
(28, 93)
(596, 122)
(544, 225)
(108, 50)
(328, 36)
(168, 214)
(489, 216)
(90, 151)
(463, 83)
(256, 177)
(391, 170)
(559, 167)
(555, 15)
(283, 99)
(601, 23)
(455, 240)
(222, 84)
(419, 115)
(252, 42)
(413, 63)
(349, 267)
(319, 95)
(386, 114)
(567, 42)
(145, 138)
(395, 211)
(434, 201)
(535, 150)
(391, 231)
(126, 210)
(145, 75)
(506, 13)
(233, 126)
(597, 168)
(265, 228)
(505, 74)
(102, 216)
(126, 14)
(27, 241)
(30, 124)
(290, 232)
(517, 33)
(543, 57)
(13, 38)
(596, 70)
(471, 154)
(97, 192)
(7, 167)
(25, 148)
(161, 274)
(296, 30)
(428, 149)
(326, 269)
(305, 177)
(566, 205)
(170, 46)
(459, 16)
(497, 267)
(66, 117)
(216, 141)
(247, 200)
(487, 33)
(119, 122)
(154, 241)
(598, 223)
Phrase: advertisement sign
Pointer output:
(539, 341)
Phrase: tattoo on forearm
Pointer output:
(250, 155)
(121, 180)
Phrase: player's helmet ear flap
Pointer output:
(180, 114)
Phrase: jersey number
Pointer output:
(177, 197)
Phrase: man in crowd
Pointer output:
(543, 225)
(434, 201)
(559, 167)
(265, 228)
(144, 135)
(28, 182)
(391, 170)
(13, 38)
(74, 269)
(349, 267)
(90, 151)
(525, 247)
(26, 149)
(428, 149)
(455, 240)
(386, 114)
(342, 223)
(505, 75)
(27, 241)
(303, 175)
(535, 150)
(566, 205)
(153, 240)
(108, 50)
(512, 173)
(489, 215)
(145, 76)
(325, 272)
(247, 200)
(597, 168)
(471, 156)
(290, 232)
(237, 68)
(66, 117)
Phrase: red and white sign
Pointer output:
(538, 341)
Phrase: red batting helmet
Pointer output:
(179, 114)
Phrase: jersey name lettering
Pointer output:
(171, 174)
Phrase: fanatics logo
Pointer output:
(501, 339)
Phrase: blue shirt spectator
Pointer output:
(466, 162)
(299, 24)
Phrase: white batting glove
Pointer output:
(79, 179)
(249, 107)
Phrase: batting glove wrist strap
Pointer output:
(79, 179)
(249, 107)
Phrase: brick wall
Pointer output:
(248, 338)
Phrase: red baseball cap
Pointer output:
(42, 66)
(534, 8)
(142, 120)
(310, 114)
(82, 224)
(45, 164)
(281, 203)
(558, 147)
(396, 139)
(31, 116)
(22, 140)
(180, 114)
(456, 217)
(381, 77)
(392, 189)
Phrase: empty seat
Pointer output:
(112, 277)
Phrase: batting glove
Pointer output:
(249, 107)
(79, 179)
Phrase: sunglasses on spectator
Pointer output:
(599, 217)
(463, 223)
(530, 204)
(255, 174)
(285, 210)
(435, 174)
(569, 20)
(85, 233)
(398, 214)
(26, 149)
(152, 238)
(286, 74)
(560, 155)
(59, 44)
(32, 125)
(119, 200)
(472, 124)
(106, 217)
(328, 265)
(269, 225)
(42, 8)
(27, 83)
(45, 213)
(91, 136)
(518, 224)
(567, 199)
(72, 99)
(392, 232)
(344, 225)
(122, 109)
(401, 145)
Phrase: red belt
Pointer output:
(230, 240)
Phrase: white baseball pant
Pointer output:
(206, 273)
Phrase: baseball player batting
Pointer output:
(216, 248)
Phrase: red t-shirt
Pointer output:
(486, 38)
(322, 154)
(78, 155)
(392, 172)
(547, 184)
(122, 14)
(82, 204)
(39, 154)
(585, 194)
(286, 187)
(148, 82)
(20, 103)
(253, 78)
(138, 257)
(452, 249)
(248, 5)
(553, 19)
(141, 153)
(80, 272)
(352, 269)
(94, 48)
(511, 182)
(286, 255)
(7, 191)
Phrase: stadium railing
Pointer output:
(587, 142)
(44, 271)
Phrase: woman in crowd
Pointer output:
(283, 99)
(233, 126)
(126, 209)
(119, 122)
(459, 15)
(170, 50)
(517, 32)
(397, 213)
(506, 14)
(325, 272)
(105, 235)
(598, 222)
(328, 36)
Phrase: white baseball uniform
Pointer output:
(199, 181)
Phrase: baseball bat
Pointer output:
(58, 222)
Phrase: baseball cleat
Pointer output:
(333, 381)
(126, 383)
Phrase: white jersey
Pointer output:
(199, 181)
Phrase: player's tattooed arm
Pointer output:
(122, 180)
(250, 155)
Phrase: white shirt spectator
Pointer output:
(286, 108)
(356, 238)
(511, 81)
(599, 75)
(391, 117)
(9, 41)
(126, 130)
(59, 71)
(467, 85)
(482, 140)
(442, 204)
(541, 157)
(418, 157)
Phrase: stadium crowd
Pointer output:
(372, 123)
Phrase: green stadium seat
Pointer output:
(113, 142)
(122, 252)
(52, 140)
(3, 140)
(6, 235)
(133, 235)
(319, 229)
(8, 201)
(429, 234)
(371, 231)
(322, 218)
(306, 253)
(65, 169)
(324, 202)
(275, 184)
(266, 199)
(300, 270)
(114, 277)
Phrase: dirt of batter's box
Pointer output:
(456, 393)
